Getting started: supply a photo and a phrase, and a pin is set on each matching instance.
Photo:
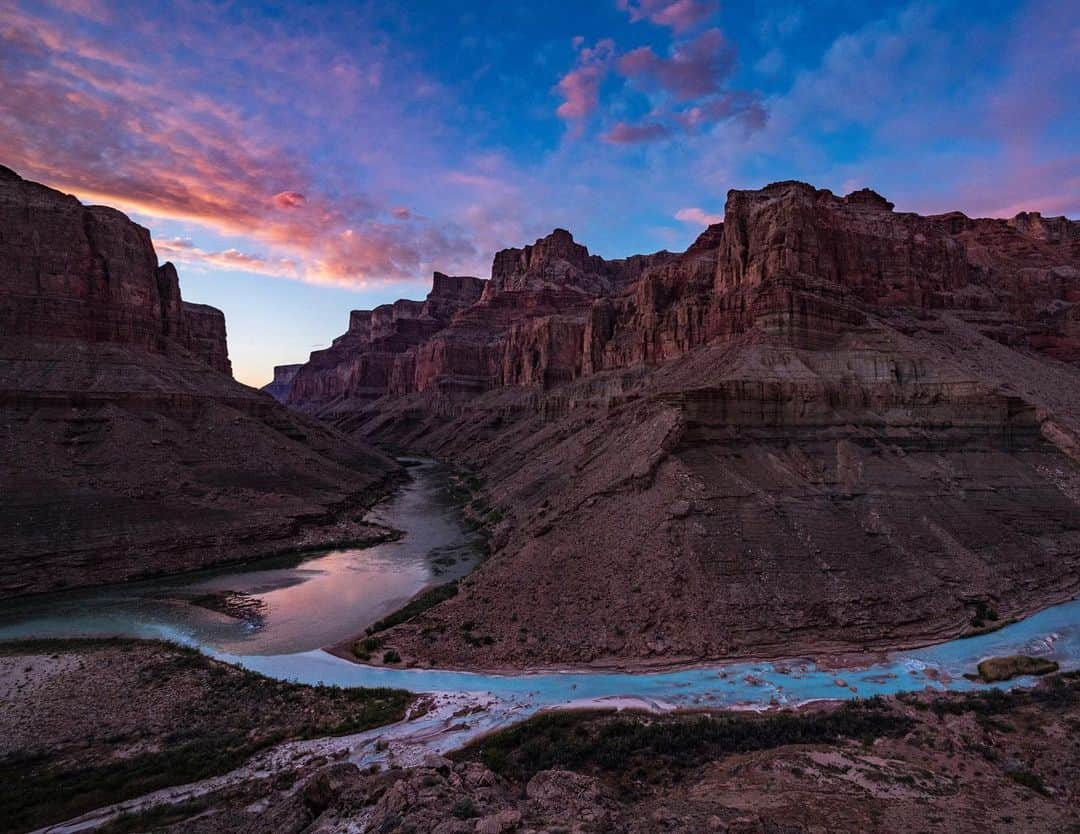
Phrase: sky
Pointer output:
(299, 160)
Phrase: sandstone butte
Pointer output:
(128, 447)
(827, 426)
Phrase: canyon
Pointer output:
(128, 448)
(826, 427)
(826, 431)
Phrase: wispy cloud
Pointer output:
(698, 217)
(97, 122)
(580, 87)
(695, 68)
(678, 14)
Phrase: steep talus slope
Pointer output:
(128, 447)
(827, 426)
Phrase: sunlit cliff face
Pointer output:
(360, 149)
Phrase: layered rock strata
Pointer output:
(87, 273)
(372, 356)
(128, 447)
(826, 426)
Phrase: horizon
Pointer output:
(300, 162)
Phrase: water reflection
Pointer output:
(278, 606)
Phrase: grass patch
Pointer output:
(417, 605)
(621, 744)
(156, 816)
(1058, 692)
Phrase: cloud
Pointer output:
(696, 67)
(106, 125)
(580, 88)
(183, 250)
(698, 217)
(677, 14)
(624, 133)
(289, 199)
(746, 107)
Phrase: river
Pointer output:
(297, 607)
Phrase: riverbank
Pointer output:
(990, 761)
(86, 723)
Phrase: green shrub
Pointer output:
(619, 743)
(997, 669)
(417, 605)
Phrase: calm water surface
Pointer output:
(278, 606)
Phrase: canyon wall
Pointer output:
(826, 426)
(279, 386)
(372, 356)
(88, 273)
(792, 261)
(128, 448)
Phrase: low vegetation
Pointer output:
(217, 717)
(668, 747)
(417, 605)
(997, 669)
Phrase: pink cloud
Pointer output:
(677, 14)
(289, 199)
(580, 88)
(698, 217)
(97, 122)
(401, 213)
(624, 133)
(182, 250)
(746, 107)
(696, 67)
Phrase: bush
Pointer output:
(997, 669)
(391, 656)
(417, 605)
(465, 809)
(619, 743)
(1029, 780)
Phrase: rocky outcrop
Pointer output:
(87, 273)
(128, 447)
(279, 386)
(370, 358)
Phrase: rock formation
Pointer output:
(377, 352)
(128, 447)
(281, 384)
(825, 426)
(88, 273)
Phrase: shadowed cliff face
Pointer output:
(128, 447)
(87, 273)
(825, 426)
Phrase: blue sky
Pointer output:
(298, 160)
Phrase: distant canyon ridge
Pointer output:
(826, 427)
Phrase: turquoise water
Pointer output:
(1053, 634)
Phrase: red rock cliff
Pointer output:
(88, 273)
(790, 262)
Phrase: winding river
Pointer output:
(283, 612)
(273, 616)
